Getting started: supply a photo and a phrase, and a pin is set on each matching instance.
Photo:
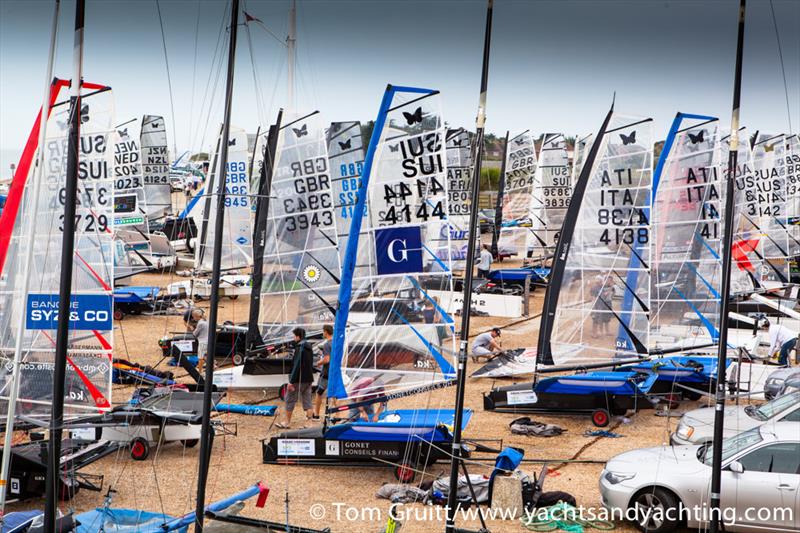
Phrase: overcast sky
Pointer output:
(554, 64)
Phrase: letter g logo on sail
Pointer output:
(395, 247)
(398, 250)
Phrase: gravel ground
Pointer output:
(166, 481)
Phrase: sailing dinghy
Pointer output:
(385, 347)
(597, 303)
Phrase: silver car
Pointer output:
(697, 427)
(780, 381)
(662, 489)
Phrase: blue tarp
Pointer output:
(400, 425)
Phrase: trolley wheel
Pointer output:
(118, 315)
(405, 473)
(601, 417)
(234, 296)
(190, 443)
(238, 359)
(692, 395)
(140, 449)
(283, 392)
(672, 401)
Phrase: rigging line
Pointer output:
(259, 104)
(217, 52)
(783, 67)
(169, 80)
(194, 67)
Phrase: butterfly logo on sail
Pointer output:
(394, 147)
(123, 133)
(770, 147)
(457, 142)
(628, 139)
(696, 138)
(413, 118)
(345, 145)
(232, 142)
(155, 125)
(519, 141)
(300, 132)
(84, 113)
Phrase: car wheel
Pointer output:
(656, 510)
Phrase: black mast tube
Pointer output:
(65, 283)
(498, 205)
(450, 526)
(260, 232)
(219, 227)
(727, 239)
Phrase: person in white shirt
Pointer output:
(201, 333)
(485, 344)
(780, 338)
(484, 262)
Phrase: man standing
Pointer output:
(780, 338)
(484, 262)
(301, 378)
(201, 334)
(485, 344)
(325, 350)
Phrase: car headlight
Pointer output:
(685, 431)
(618, 477)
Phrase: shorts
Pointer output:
(202, 350)
(322, 385)
(478, 351)
(304, 391)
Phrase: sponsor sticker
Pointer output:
(516, 397)
(296, 447)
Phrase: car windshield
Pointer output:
(730, 446)
(775, 407)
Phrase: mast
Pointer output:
(498, 205)
(727, 236)
(480, 122)
(219, 226)
(260, 231)
(291, 56)
(37, 180)
(65, 283)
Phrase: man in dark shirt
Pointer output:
(301, 378)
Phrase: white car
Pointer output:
(662, 489)
(697, 427)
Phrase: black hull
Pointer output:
(564, 404)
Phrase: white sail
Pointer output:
(769, 211)
(155, 166)
(301, 256)
(520, 204)
(792, 158)
(237, 238)
(604, 300)
(687, 237)
(90, 345)
(346, 156)
(552, 192)
(390, 335)
(582, 147)
(459, 201)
